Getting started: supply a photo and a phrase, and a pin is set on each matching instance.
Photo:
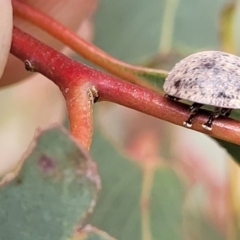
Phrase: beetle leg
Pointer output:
(193, 111)
(195, 107)
(171, 97)
(216, 113)
(226, 111)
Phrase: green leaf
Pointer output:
(55, 189)
(132, 30)
(119, 210)
(196, 25)
(126, 212)
(166, 205)
(129, 29)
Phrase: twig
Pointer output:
(70, 74)
(135, 74)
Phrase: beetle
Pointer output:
(206, 78)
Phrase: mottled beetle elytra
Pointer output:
(206, 78)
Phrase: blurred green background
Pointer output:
(159, 181)
(180, 188)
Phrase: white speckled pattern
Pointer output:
(209, 77)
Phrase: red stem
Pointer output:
(129, 72)
(71, 78)
(70, 74)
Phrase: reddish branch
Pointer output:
(134, 74)
(71, 78)
(75, 79)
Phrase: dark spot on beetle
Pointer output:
(209, 65)
(196, 68)
(223, 95)
(177, 83)
(185, 72)
(46, 164)
(188, 83)
(218, 71)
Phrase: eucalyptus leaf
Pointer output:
(54, 190)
